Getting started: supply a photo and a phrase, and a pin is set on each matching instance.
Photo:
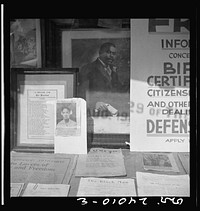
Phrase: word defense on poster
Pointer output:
(160, 81)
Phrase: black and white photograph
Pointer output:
(66, 115)
(100, 108)
(68, 119)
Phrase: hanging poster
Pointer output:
(160, 81)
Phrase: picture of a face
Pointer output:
(108, 57)
(66, 113)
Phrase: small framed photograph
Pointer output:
(33, 96)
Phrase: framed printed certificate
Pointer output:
(33, 92)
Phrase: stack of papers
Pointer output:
(149, 184)
(101, 163)
(106, 187)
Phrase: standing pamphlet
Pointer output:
(70, 126)
(149, 184)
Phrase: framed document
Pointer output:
(33, 92)
(107, 93)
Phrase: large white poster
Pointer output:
(160, 81)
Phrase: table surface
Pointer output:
(133, 163)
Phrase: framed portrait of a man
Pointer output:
(103, 59)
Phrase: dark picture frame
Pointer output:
(23, 81)
(80, 47)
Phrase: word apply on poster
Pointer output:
(160, 72)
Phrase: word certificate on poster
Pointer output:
(160, 85)
(36, 113)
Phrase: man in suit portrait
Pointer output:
(100, 77)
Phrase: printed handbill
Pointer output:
(100, 165)
(149, 184)
(106, 187)
(36, 110)
(42, 168)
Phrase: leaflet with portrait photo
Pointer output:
(70, 126)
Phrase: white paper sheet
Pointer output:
(100, 165)
(72, 140)
(149, 184)
(35, 189)
(106, 187)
